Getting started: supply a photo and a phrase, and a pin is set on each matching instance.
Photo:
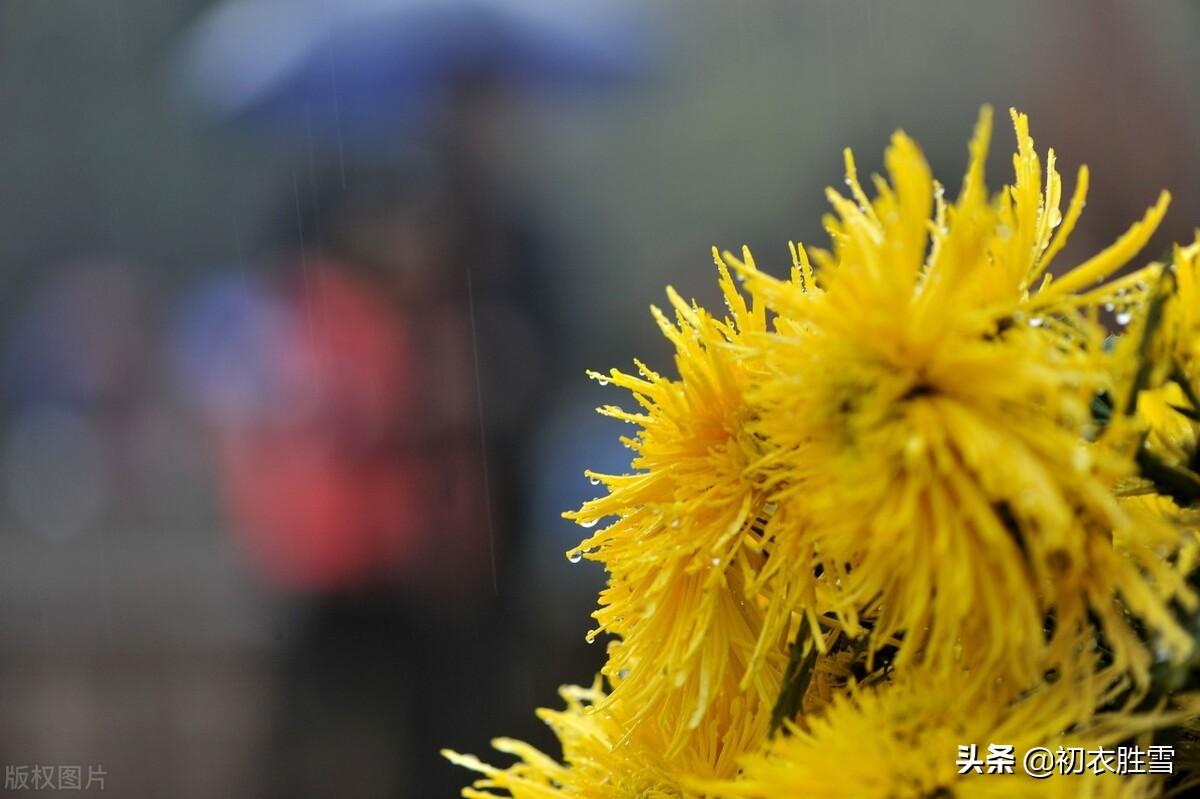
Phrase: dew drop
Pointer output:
(588, 524)
(1108, 306)
(593, 481)
(716, 561)
(590, 637)
(1124, 317)
(575, 556)
(1081, 460)
(1035, 321)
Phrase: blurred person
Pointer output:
(347, 413)
(385, 481)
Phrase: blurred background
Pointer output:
(296, 300)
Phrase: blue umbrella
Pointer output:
(365, 66)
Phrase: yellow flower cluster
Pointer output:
(892, 743)
(910, 498)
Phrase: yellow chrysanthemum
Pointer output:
(1157, 407)
(924, 484)
(1170, 433)
(680, 554)
(925, 412)
(901, 741)
(1161, 363)
(604, 757)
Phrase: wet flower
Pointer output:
(604, 757)
(923, 734)
(927, 417)
(910, 499)
(681, 552)
(1159, 364)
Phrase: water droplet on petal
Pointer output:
(588, 524)
(1124, 317)
(593, 481)
(574, 556)
(1081, 460)
(1035, 321)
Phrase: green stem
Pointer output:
(796, 678)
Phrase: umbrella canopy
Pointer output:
(361, 66)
